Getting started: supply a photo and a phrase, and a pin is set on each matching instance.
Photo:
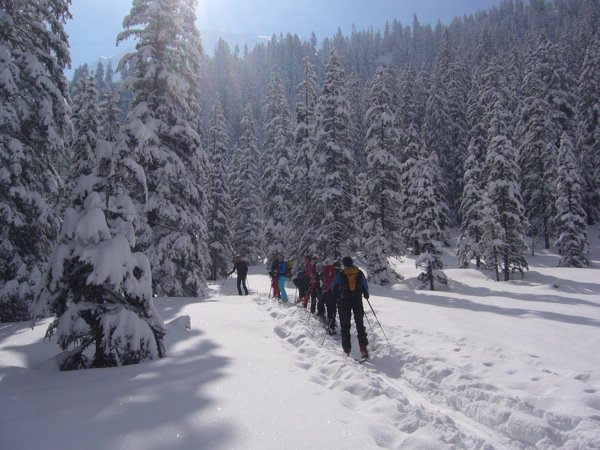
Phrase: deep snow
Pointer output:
(480, 365)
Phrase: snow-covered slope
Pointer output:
(482, 365)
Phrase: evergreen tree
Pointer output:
(471, 207)
(445, 133)
(406, 108)
(161, 133)
(572, 242)
(219, 199)
(99, 80)
(99, 291)
(537, 151)
(276, 169)
(110, 114)
(506, 208)
(428, 230)
(246, 214)
(34, 129)
(85, 117)
(411, 154)
(334, 165)
(382, 182)
(108, 77)
(304, 147)
(588, 129)
(357, 130)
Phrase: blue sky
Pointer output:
(96, 23)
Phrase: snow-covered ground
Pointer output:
(480, 365)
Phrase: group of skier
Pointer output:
(330, 289)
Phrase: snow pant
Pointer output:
(282, 293)
(321, 304)
(348, 306)
(302, 286)
(275, 286)
(312, 294)
(241, 281)
(331, 305)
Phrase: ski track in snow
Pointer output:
(423, 402)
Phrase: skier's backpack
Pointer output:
(289, 270)
(351, 280)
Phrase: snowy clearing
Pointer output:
(482, 365)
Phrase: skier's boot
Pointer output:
(364, 352)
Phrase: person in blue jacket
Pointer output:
(282, 272)
(351, 285)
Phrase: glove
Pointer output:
(367, 296)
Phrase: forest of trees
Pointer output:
(145, 179)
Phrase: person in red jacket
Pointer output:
(330, 272)
(312, 277)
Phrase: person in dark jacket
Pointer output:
(273, 265)
(351, 285)
(240, 266)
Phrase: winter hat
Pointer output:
(347, 261)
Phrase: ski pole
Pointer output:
(223, 283)
(327, 329)
(369, 322)
(386, 338)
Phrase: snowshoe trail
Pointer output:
(422, 402)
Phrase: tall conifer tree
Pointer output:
(34, 128)
(219, 198)
(246, 212)
(572, 242)
(276, 169)
(334, 165)
(161, 133)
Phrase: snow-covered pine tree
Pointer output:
(98, 289)
(503, 192)
(493, 237)
(588, 129)
(86, 124)
(536, 150)
(301, 238)
(34, 126)
(334, 166)
(108, 77)
(427, 220)
(161, 133)
(411, 154)
(246, 211)
(111, 114)
(572, 242)
(383, 187)
(441, 129)
(473, 186)
(406, 108)
(99, 80)
(219, 198)
(356, 100)
(276, 169)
